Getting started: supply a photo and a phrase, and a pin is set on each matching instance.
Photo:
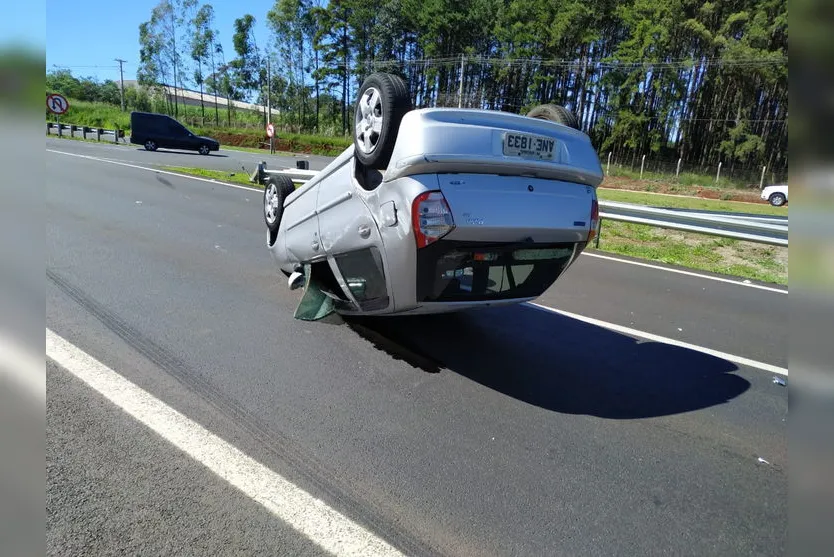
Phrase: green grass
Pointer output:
(688, 202)
(238, 178)
(696, 251)
(98, 115)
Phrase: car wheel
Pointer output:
(276, 190)
(555, 113)
(204, 150)
(381, 104)
(150, 145)
(777, 199)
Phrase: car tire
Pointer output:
(555, 113)
(150, 145)
(276, 190)
(381, 104)
(204, 149)
(777, 199)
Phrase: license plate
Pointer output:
(529, 146)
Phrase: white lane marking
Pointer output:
(657, 338)
(311, 517)
(687, 273)
(25, 369)
(121, 163)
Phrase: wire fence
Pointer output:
(732, 175)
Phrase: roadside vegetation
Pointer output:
(727, 256)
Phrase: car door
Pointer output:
(301, 225)
(178, 136)
(351, 239)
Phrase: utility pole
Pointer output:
(460, 87)
(122, 81)
(269, 105)
(268, 100)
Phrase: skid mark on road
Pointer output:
(310, 516)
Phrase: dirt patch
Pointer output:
(257, 141)
(630, 184)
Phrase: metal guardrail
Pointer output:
(73, 128)
(761, 229)
(751, 228)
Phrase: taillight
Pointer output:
(594, 219)
(431, 218)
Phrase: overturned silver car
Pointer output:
(436, 210)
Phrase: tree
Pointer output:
(294, 24)
(333, 42)
(202, 47)
(245, 68)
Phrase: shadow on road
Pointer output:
(558, 363)
(195, 153)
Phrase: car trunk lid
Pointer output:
(493, 208)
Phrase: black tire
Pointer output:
(150, 145)
(204, 149)
(276, 190)
(376, 127)
(777, 199)
(555, 113)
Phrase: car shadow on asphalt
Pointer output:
(558, 363)
(195, 153)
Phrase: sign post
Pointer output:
(270, 132)
(57, 105)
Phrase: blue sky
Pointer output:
(111, 30)
(22, 23)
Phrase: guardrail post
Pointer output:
(608, 170)
(761, 180)
(98, 134)
(60, 131)
(642, 164)
(718, 174)
(678, 170)
(115, 136)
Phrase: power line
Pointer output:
(74, 67)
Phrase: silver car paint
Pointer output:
(446, 140)
(493, 198)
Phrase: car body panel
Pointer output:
(495, 208)
(445, 140)
(360, 221)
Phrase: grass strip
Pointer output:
(725, 256)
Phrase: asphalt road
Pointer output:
(507, 431)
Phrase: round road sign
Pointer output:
(270, 130)
(56, 103)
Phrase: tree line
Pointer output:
(703, 81)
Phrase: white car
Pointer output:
(437, 210)
(776, 194)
